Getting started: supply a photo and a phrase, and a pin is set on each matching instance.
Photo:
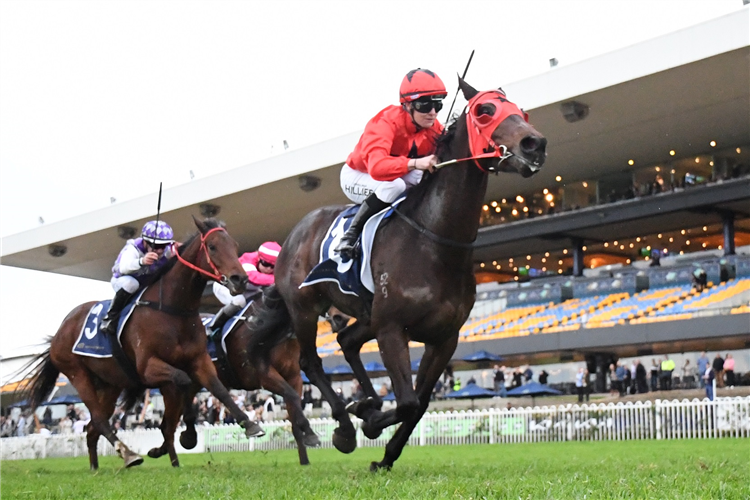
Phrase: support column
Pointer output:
(727, 219)
(577, 257)
(598, 364)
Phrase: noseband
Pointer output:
(220, 278)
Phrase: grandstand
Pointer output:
(564, 258)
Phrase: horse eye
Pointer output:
(211, 247)
(485, 109)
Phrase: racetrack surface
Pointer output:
(687, 469)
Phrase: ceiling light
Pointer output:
(519, 198)
(631, 162)
(549, 197)
(574, 111)
(558, 178)
(672, 152)
(657, 168)
(485, 208)
(697, 160)
(585, 184)
(713, 144)
(494, 203)
(481, 265)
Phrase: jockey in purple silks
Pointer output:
(135, 266)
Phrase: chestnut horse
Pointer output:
(164, 342)
(422, 265)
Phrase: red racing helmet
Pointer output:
(269, 252)
(421, 83)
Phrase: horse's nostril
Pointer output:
(238, 280)
(532, 144)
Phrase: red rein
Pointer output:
(216, 276)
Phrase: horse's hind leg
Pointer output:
(430, 369)
(306, 329)
(101, 404)
(351, 339)
(303, 434)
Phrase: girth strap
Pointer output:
(432, 236)
(173, 311)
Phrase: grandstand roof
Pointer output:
(678, 91)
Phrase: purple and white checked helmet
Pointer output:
(160, 234)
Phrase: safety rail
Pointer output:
(696, 419)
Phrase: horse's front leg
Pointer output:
(303, 434)
(306, 329)
(351, 339)
(173, 407)
(394, 350)
(204, 373)
(189, 437)
(431, 367)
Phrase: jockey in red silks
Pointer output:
(397, 146)
(259, 267)
(135, 266)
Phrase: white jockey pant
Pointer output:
(359, 185)
(127, 283)
(225, 297)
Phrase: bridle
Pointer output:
(216, 276)
(481, 141)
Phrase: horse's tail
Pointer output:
(131, 396)
(269, 322)
(43, 378)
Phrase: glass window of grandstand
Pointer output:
(716, 165)
(677, 246)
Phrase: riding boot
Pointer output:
(109, 323)
(369, 207)
(221, 318)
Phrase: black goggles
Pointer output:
(427, 106)
(160, 246)
(267, 264)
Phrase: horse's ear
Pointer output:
(467, 89)
(200, 225)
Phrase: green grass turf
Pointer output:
(686, 469)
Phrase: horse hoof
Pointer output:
(371, 432)
(311, 440)
(376, 466)
(360, 408)
(188, 440)
(253, 430)
(175, 463)
(155, 453)
(343, 443)
(133, 459)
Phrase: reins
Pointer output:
(174, 311)
(432, 236)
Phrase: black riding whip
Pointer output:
(158, 208)
(466, 70)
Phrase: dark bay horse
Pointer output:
(278, 372)
(165, 342)
(422, 266)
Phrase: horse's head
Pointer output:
(220, 260)
(500, 135)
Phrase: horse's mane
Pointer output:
(442, 146)
(211, 223)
